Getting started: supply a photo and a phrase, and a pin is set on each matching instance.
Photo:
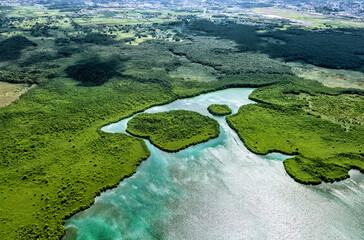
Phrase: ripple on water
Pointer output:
(220, 190)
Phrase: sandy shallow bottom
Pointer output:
(220, 190)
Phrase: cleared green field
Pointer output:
(195, 72)
(346, 110)
(94, 20)
(329, 77)
(133, 17)
(31, 11)
(309, 20)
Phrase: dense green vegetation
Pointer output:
(226, 57)
(174, 130)
(314, 171)
(93, 71)
(287, 93)
(296, 133)
(340, 48)
(10, 49)
(219, 109)
(325, 149)
(54, 159)
(345, 109)
(329, 48)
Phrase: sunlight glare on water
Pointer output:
(220, 190)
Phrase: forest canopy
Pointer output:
(174, 130)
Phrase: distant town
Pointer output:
(350, 9)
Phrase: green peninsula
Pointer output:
(174, 130)
(219, 109)
(327, 145)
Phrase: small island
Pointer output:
(219, 109)
(174, 130)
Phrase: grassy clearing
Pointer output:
(309, 20)
(346, 109)
(10, 92)
(130, 17)
(195, 72)
(219, 109)
(293, 92)
(31, 11)
(329, 77)
(174, 130)
(333, 104)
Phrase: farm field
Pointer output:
(308, 20)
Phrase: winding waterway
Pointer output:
(220, 190)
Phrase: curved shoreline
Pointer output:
(285, 162)
(99, 191)
(253, 150)
(155, 180)
(172, 151)
(311, 170)
(224, 110)
(208, 128)
(221, 88)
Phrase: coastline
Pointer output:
(99, 191)
(326, 167)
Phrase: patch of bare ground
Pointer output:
(10, 92)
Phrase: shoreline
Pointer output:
(313, 170)
(99, 191)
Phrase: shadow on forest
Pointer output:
(336, 49)
(39, 57)
(4, 7)
(10, 49)
(92, 38)
(95, 71)
(47, 56)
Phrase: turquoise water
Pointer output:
(220, 190)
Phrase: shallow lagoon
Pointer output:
(220, 190)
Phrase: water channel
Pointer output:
(220, 190)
